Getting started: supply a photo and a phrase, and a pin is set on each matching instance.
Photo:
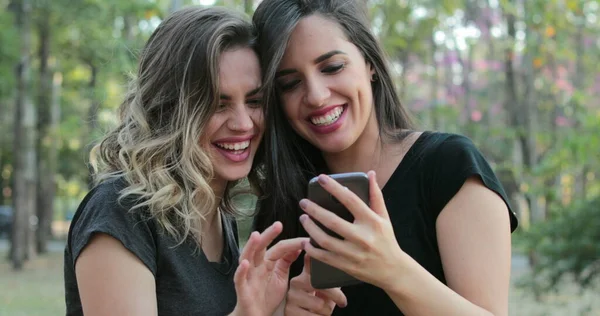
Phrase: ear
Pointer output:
(372, 74)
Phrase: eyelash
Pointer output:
(329, 70)
(253, 103)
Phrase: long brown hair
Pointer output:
(156, 147)
(293, 161)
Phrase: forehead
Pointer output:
(313, 36)
(238, 60)
(239, 67)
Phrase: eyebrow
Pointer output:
(316, 61)
(248, 94)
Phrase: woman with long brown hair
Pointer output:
(157, 234)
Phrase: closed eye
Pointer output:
(222, 107)
(287, 86)
(254, 103)
(332, 69)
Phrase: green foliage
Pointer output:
(567, 245)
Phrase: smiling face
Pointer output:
(236, 129)
(325, 85)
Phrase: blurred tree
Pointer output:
(24, 153)
(46, 127)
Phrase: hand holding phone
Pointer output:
(323, 275)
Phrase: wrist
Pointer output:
(399, 273)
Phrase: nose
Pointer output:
(316, 92)
(240, 119)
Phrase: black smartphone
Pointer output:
(324, 276)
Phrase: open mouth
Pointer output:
(234, 148)
(234, 151)
(328, 118)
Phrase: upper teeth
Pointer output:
(328, 118)
(235, 146)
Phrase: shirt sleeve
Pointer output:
(101, 212)
(456, 160)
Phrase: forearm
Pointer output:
(418, 292)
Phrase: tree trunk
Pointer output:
(92, 116)
(403, 74)
(435, 86)
(24, 197)
(46, 143)
(248, 6)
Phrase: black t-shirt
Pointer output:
(186, 282)
(430, 174)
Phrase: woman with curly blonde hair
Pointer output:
(157, 234)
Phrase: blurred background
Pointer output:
(519, 77)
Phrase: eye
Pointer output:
(332, 69)
(254, 103)
(221, 107)
(287, 86)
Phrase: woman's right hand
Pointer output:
(303, 299)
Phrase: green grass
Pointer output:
(36, 290)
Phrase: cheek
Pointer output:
(211, 128)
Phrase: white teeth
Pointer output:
(234, 146)
(328, 118)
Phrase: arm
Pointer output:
(474, 246)
(474, 242)
(113, 281)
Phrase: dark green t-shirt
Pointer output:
(186, 282)
(431, 173)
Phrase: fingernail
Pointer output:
(303, 203)
(322, 179)
(303, 218)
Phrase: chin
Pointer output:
(230, 173)
(333, 145)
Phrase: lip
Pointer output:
(233, 139)
(324, 110)
(332, 127)
(241, 157)
(236, 158)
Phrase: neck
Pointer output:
(363, 155)
(218, 186)
(369, 152)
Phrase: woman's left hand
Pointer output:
(369, 250)
(261, 280)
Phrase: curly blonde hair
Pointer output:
(156, 147)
